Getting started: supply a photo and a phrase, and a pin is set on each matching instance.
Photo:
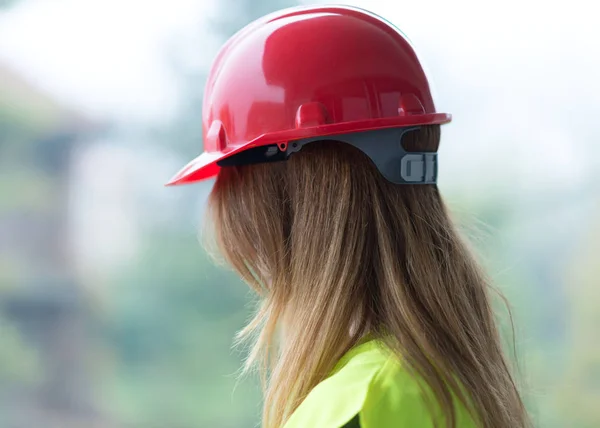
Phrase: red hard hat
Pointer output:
(309, 72)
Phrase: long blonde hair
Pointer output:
(337, 252)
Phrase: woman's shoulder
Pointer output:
(339, 398)
(368, 388)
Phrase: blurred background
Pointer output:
(111, 314)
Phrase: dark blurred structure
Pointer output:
(40, 298)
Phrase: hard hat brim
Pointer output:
(205, 166)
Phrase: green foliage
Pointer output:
(171, 324)
(37, 191)
(580, 385)
(18, 362)
(7, 3)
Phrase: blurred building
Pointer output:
(39, 295)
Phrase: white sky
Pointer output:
(107, 57)
(520, 76)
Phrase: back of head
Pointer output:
(336, 252)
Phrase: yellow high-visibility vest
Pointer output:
(369, 388)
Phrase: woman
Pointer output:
(321, 127)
